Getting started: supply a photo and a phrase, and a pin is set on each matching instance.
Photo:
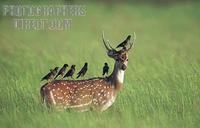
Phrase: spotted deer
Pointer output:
(95, 93)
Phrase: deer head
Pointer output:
(121, 56)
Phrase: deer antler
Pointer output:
(111, 51)
(105, 42)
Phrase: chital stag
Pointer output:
(95, 93)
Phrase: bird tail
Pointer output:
(42, 78)
(78, 76)
(56, 76)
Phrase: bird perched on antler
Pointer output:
(83, 70)
(50, 76)
(62, 71)
(71, 71)
(105, 69)
(124, 44)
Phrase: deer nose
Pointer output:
(124, 67)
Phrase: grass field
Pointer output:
(162, 82)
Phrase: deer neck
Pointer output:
(117, 77)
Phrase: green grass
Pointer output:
(162, 82)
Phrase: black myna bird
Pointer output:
(50, 75)
(105, 69)
(83, 70)
(71, 71)
(124, 43)
(62, 71)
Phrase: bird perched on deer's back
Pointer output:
(50, 75)
(124, 43)
(105, 69)
(62, 71)
(83, 70)
(71, 71)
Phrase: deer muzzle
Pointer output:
(124, 67)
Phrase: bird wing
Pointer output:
(124, 42)
(60, 71)
(81, 71)
(104, 68)
(46, 76)
(84, 71)
(121, 44)
(69, 72)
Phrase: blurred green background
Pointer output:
(161, 88)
